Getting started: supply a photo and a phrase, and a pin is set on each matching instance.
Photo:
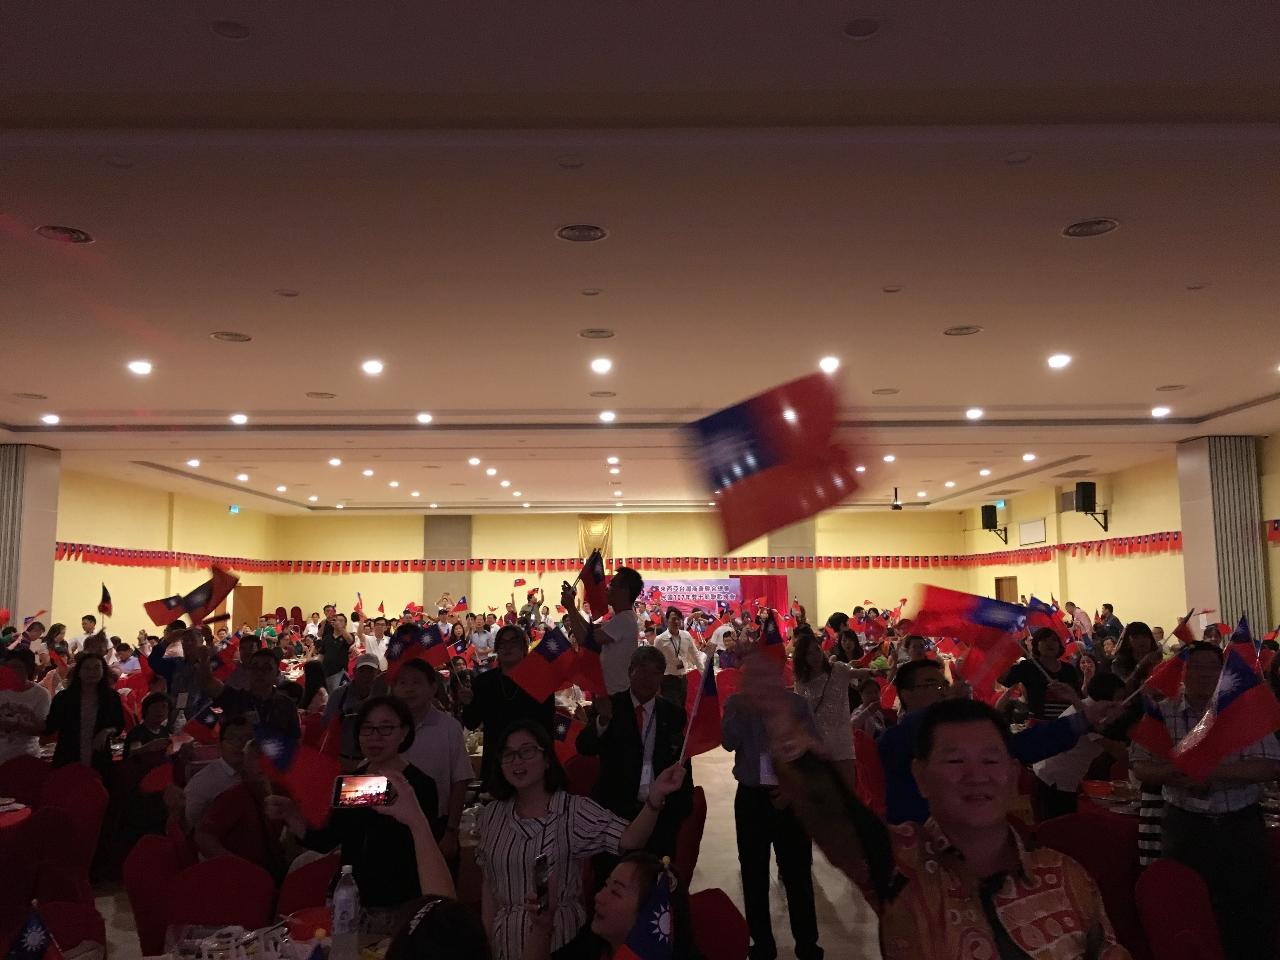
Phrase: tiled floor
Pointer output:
(846, 923)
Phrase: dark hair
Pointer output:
(54, 631)
(105, 686)
(510, 633)
(905, 678)
(441, 928)
(293, 690)
(1125, 661)
(151, 699)
(33, 623)
(804, 639)
(673, 610)
(1041, 636)
(90, 617)
(849, 636)
(1104, 686)
(313, 681)
(1201, 647)
(263, 653)
(422, 667)
(644, 653)
(838, 621)
(396, 706)
(23, 657)
(630, 581)
(948, 712)
(555, 778)
(648, 868)
(251, 640)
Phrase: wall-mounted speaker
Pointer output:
(1086, 497)
(989, 521)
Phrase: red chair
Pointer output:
(50, 843)
(1107, 848)
(719, 929)
(23, 778)
(148, 869)
(869, 785)
(689, 837)
(583, 772)
(73, 924)
(224, 891)
(78, 792)
(308, 886)
(1177, 915)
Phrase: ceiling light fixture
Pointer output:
(615, 471)
(504, 483)
(949, 484)
(862, 28)
(230, 29)
(394, 483)
(829, 364)
(611, 460)
(366, 472)
(526, 505)
(230, 336)
(474, 461)
(285, 292)
(239, 419)
(889, 458)
(974, 413)
(414, 493)
(595, 333)
(312, 499)
(984, 472)
(617, 493)
(591, 291)
(601, 365)
(372, 367)
(922, 493)
(242, 477)
(51, 419)
(1028, 457)
(1170, 387)
(425, 418)
(433, 506)
(885, 392)
(64, 234)
(491, 471)
(140, 367)
(193, 462)
(516, 493)
(335, 462)
(1159, 412)
(1093, 227)
(1059, 360)
(582, 233)
(963, 330)
(789, 415)
(320, 395)
(607, 416)
(859, 469)
(339, 506)
(281, 489)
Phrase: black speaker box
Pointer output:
(989, 521)
(1086, 497)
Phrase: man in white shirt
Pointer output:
(375, 643)
(619, 636)
(217, 777)
(22, 712)
(313, 627)
(89, 626)
(681, 655)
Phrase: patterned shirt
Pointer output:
(1220, 797)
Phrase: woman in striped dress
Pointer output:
(533, 814)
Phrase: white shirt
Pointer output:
(29, 707)
(621, 637)
(440, 751)
(311, 630)
(482, 641)
(76, 644)
(206, 786)
(377, 648)
(1065, 770)
(680, 653)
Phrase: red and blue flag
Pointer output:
(304, 772)
(35, 941)
(702, 704)
(594, 586)
(1241, 712)
(411, 642)
(652, 936)
(548, 667)
(1041, 614)
(978, 621)
(1151, 732)
(564, 734)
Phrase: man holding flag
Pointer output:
(620, 635)
(1222, 728)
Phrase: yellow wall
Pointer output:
(1269, 473)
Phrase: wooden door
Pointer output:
(1007, 589)
(246, 607)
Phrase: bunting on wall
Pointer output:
(1144, 545)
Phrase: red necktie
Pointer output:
(640, 719)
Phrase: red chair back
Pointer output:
(719, 929)
(78, 792)
(23, 778)
(583, 772)
(148, 869)
(50, 843)
(1107, 848)
(689, 837)
(869, 786)
(224, 891)
(1176, 912)
(308, 886)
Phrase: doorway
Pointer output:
(246, 607)
(1007, 589)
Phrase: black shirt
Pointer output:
(277, 712)
(497, 702)
(1032, 678)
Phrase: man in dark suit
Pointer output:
(637, 735)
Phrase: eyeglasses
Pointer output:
(929, 685)
(379, 729)
(527, 752)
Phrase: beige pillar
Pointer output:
(28, 527)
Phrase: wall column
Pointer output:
(446, 537)
(799, 540)
(28, 527)
(1222, 543)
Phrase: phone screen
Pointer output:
(541, 878)
(362, 790)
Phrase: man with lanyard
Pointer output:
(677, 647)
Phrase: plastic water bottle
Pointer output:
(346, 917)
(179, 722)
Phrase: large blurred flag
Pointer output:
(1150, 731)
(1242, 711)
(651, 937)
(702, 704)
(547, 667)
(411, 642)
(197, 605)
(773, 459)
(1041, 614)
(104, 605)
(304, 772)
(979, 621)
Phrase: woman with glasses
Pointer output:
(534, 815)
(380, 849)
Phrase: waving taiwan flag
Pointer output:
(1242, 711)
(979, 621)
(1041, 614)
(651, 937)
(304, 772)
(702, 705)
(411, 642)
(547, 667)
(773, 459)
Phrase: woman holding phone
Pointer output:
(380, 849)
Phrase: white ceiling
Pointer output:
(738, 254)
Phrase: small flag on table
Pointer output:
(651, 937)
(547, 667)
(104, 605)
(1242, 711)
(702, 703)
(304, 772)
(34, 941)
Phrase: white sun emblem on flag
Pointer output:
(551, 645)
(271, 749)
(662, 924)
(34, 938)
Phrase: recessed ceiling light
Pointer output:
(64, 234)
(424, 418)
(230, 336)
(193, 462)
(50, 419)
(285, 292)
(829, 364)
(339, 506)
(595, 333)
(1059, 360)
(859, 469)
(1196, 285)
(372, 367)
(974, 413)
(1093, 227)
(615, 470)
(516, 493)
(366, 472)
(891, 288)
(591, 291)
(582, 233)
(862, 28)
(885, 392)
(889, 458)
(140, 367)
(963, 330)
(281, 489)
(526, 505)
(335, 461)
(433, 506)
(1028, 457)
(239, 419)
(1170, 387)
(30, 396)
(1017, 158)
(1158, 412)
(611, 460)
(474, 461)
(230, 29)
(922, 493)
(491, 471)
(504, 483)
(414, 493)
(607, 416)
(984, 472)
(394, 483)
(711, 504)
(242, 477)
(617, 493)
(601, 365)
(313, 498)
(949, 484)
(602, 394)
(320, 395)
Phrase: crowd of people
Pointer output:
(932, 850)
